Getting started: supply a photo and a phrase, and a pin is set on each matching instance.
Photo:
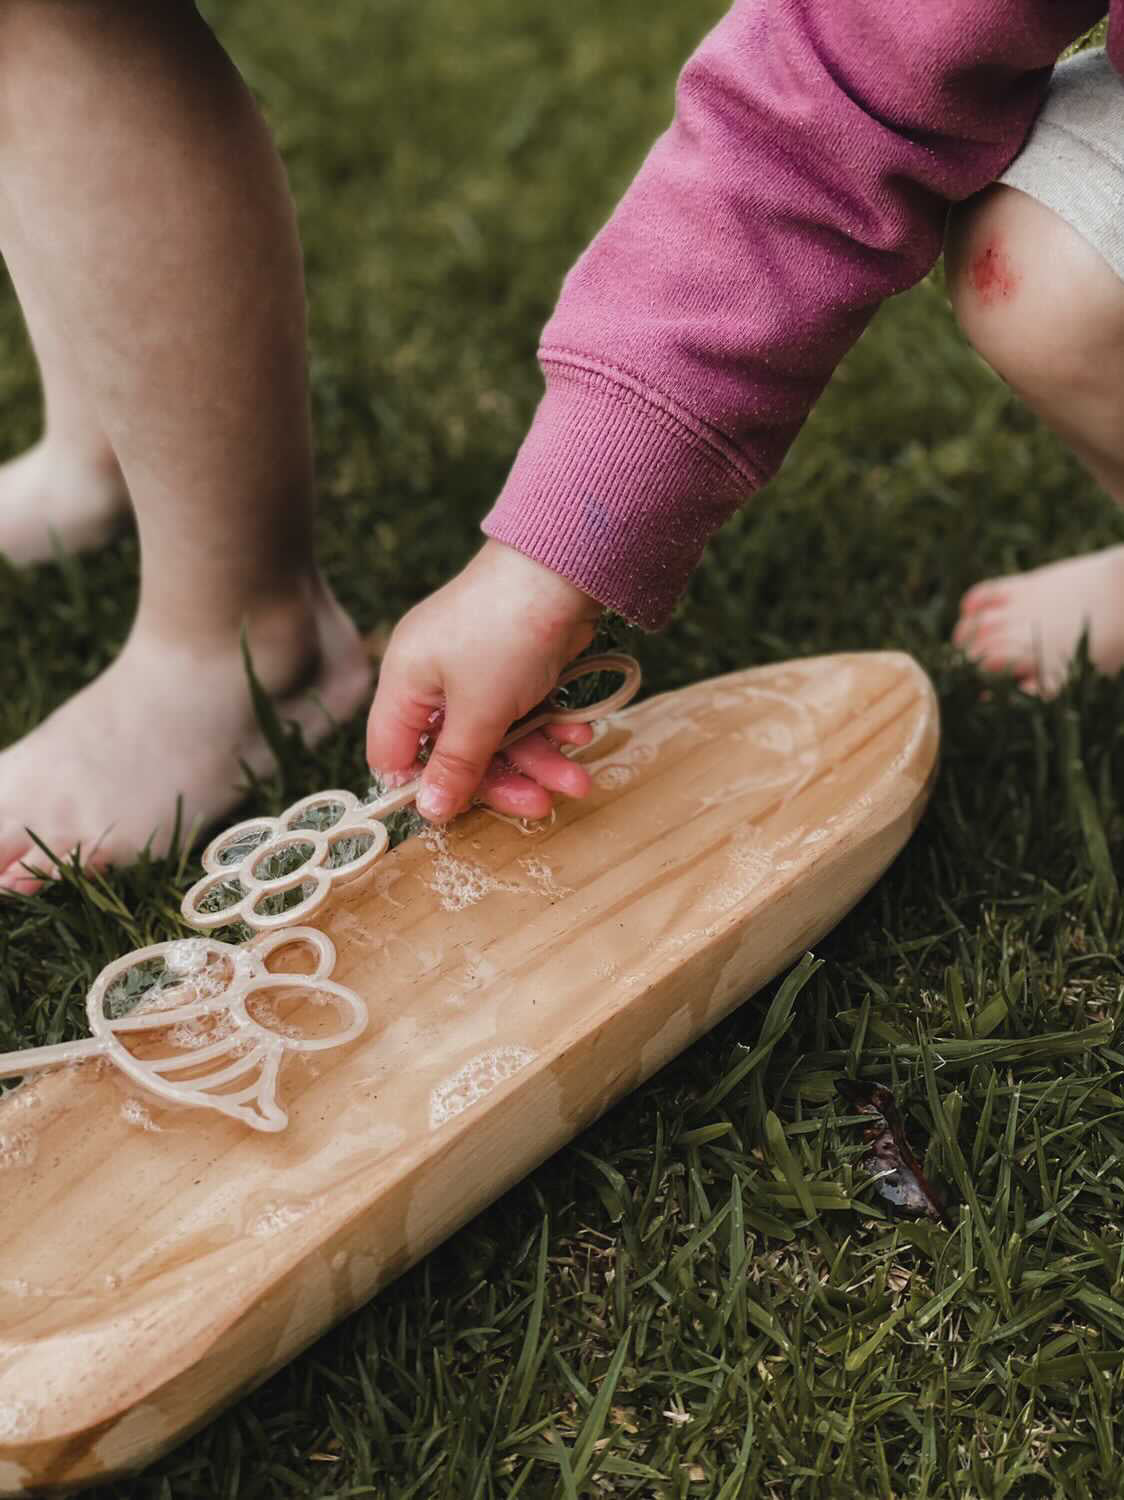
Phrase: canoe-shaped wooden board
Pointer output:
(156, 1263)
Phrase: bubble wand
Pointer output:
(205, 1018)
(171, 991)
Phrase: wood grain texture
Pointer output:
(156, 1263)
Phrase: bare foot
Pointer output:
(170, 719)
(52, 498)
(1029, 624)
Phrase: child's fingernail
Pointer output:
(392, 780)
(435, 804)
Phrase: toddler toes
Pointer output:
(973, 633)
(970, 627)
(1005, 656)
(16, 876)
(981, 595)
(13, 845)
(30, 869)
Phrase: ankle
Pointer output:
(282, 633)
(291, 630)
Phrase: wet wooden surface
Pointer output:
(155, 1263)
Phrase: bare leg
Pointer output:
(1047, 312)
(66, 489)
(143, 183)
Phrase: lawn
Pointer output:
(676, 1305)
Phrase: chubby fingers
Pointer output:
(520, 781)
(459, 760)
(410, 702)
(543, 762)
(508, 791)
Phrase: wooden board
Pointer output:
(156, 1263)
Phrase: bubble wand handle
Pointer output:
(547, 713)
(16, 1064)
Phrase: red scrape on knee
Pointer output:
(991, 275)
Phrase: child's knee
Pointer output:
(1039, 304)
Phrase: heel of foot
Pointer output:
(52, 501)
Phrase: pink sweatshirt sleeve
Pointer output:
(815, 148)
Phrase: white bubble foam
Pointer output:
(191, 1035)
(22, 1097)
(187, 955)
(276, 1217)
(543, 877)
(613, 776)
(135, 1112)
(265, 1013)
(17, 1420)
(479, 1076)
(751, 858)
(458, 883)
(19, 1149)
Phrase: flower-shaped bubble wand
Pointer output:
(269, 873)
(195, 1022)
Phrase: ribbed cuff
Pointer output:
(617, 489)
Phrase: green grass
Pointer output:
(702, 1295)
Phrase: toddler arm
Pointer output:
(815, 148)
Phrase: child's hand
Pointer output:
(466, 663)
